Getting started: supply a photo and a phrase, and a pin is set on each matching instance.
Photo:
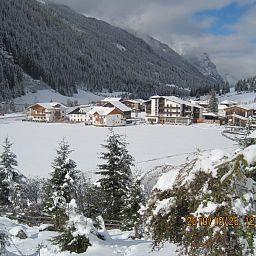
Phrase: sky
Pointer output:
(225, 29)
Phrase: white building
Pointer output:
(171, 109)
(106, 116)
(79, 114)
(46, 112)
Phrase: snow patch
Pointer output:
(121, 47)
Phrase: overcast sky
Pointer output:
(225, 29)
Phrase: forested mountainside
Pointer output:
(246, 84)
(67, 50)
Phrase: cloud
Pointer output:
(175, 22)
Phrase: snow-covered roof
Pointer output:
(120, 106)
(249, 106)
(246, 107)
(228, 102)
(181, 101)
(135, 100)
(107, 99)
(103, 111)
(49, 105)
(79, 109)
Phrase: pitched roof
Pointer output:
(246, 107)
(107, 99)
(119, 105)
(48, 105)
(103, 111)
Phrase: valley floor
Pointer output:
(151, 145)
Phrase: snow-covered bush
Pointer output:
(211, 186)
(75, 233)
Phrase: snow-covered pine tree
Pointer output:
(11, 181)
(213, 102)
(187, 204)
(116, 176)
(131, 217)
(61, 185)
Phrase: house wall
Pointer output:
(239, 111)
(41, 114)
(109, 120)
(79, 118)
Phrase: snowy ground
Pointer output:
(151, 145)
(117, 244)
(241, 98)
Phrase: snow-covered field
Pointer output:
(151, 145)
(117, 244)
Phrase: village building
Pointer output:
(171, 110)
(46, 112)
(79, 114)
(137, 105)
(240, 115)
(106, 116)
(127, 112)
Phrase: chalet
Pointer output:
(127, 112)
(106, 116)
(137, 105)
(171, 110)
(79, 114)
(46, 112)
(239, 115)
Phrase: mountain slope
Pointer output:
(203, 63)
(68, 51)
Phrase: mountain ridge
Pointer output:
(68, 51)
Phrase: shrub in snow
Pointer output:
(75, 233)
(61, 185)
(18, 232)
(212, 185)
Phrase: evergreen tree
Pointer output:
(213, 102)
(131, 217)
(116, 175)
(10, 179)
(189, 211)
(61, 185)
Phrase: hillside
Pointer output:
(67, 51)
(204, 64)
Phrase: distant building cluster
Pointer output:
(112, 112)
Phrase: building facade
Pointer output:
(171, 110)
(106, 116)
(46, 112)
